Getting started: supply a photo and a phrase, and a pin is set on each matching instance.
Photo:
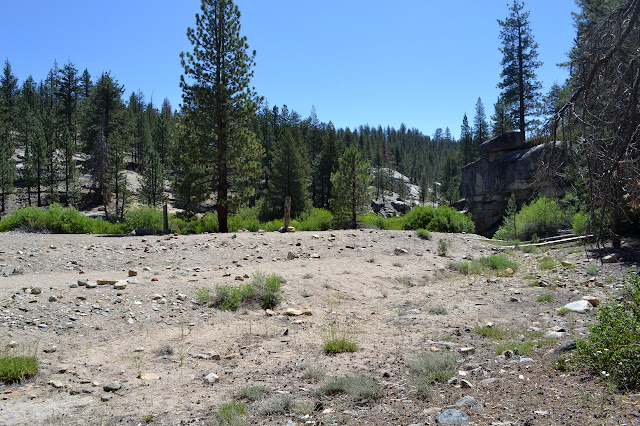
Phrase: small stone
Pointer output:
(112, 387)
(106, 282)
(400, 251)
(269, 312)
(36, 290)
(53, 299)
(132, 273)
(291, 256)
(120, 285)
(465, 401)
(51, 349)
(73, 285)
(465, 384)
(56, 384)
(12, 344)
(489, 381)
(211, 378)
(592, 299)
(315, 256)
(91, 284)
(565, 347)
(181, 297)
(509, 272)
(610, 258)
(105, 398)
(298, 312)
(452, 416)
(149, 376)
(467, 351)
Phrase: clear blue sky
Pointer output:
(419, 62)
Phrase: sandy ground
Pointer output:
(387, 290)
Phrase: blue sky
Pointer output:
(419, 62)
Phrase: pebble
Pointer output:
(579, 306)
(112, 387)
(211, 378)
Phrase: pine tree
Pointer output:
(68, 94)
(104, 138)
(480, 125)
(8, 111)
(519, 61)
(219, 103)
(351, 187)
(466, 142)
(502, 120)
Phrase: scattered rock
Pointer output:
(91, 284)
(610, 258)
(132, 273)
(452, 416)
(565, 347)
(400, 251)
(467, 351)
(297, 312)
(211, 378)
(149, 376)
(580, 306)
(120, 285)
(465, 384)
(592, 299)
(36, 290)
(49, 350)
(53, 299)
(112, 387)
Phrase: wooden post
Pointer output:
(287, 213)
(165, 219)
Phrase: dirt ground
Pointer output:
(387, 290)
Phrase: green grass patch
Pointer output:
(232, 414)
(427, 368)
(490, 332)
(546, 263)
(592, 270)
(424, 234)
(252, 393)
(545, 298)
(16, 366)
(338, 340)
(262, 290)
(440, 219)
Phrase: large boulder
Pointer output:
(507, 166)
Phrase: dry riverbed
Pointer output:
(136, 347)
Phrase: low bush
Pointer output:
(499, 262)
(440, 219)
(59, 220)
(443, 247)
(144, 217)
(427, 368)
(263, 290)
(231, 414)
(542, 217)
(424, 234)
(360, 389)
(611, 350)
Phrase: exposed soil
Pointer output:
(155, 340)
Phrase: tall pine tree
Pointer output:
(520, 86)
(219, 103)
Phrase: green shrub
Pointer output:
(424, 234)
(612, 347)
(252, 393)
(374, 220)
(207, 223)
(16, 367)
(542, 217)
(440, 219)
(57, 219)
(548, 297)
(315, 220)
(499, 262)
(144, 217)
(580, 223)
(592, 270)
(443, 247)
(203, 296)
(263, 290)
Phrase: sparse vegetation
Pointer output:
(232, 414)
(490, 332)
(592, 270)
(263, 290)
(338, 340)
(611, 350)
(203, 296)
(431, 367)
(16, 366)
(548, 297)
(424, 234)
(443, 247)
(547, 262)
(164, 350)
(252, 393)
(440, 219)
(284, 404)
(359, 389)
(563, 311)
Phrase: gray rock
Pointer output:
(567, 346)
(413, 311)
(466, 401)
(53, 299)
(112, 387)
(399, 251)
(451, 416)
(120, 285)
(73, 285)
(489, 381)
(579, 306)
(36, 290)
(91, 284)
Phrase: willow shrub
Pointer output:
(440, 219)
